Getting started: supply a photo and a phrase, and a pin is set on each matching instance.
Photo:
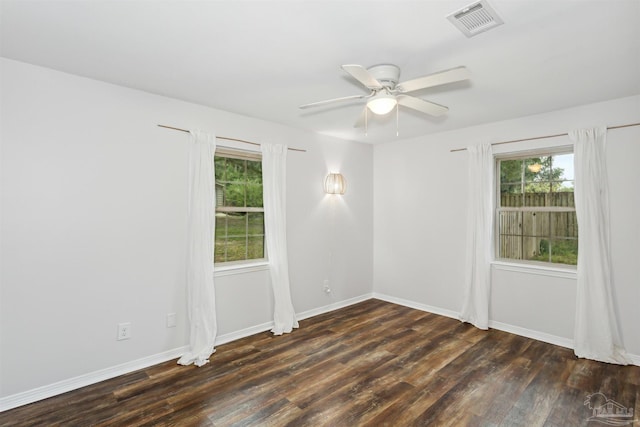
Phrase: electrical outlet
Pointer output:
(124, 331)
(171, 320)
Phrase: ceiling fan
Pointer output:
(385, 93)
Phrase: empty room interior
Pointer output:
(320, 213)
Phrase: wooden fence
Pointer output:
(527, 235)
(563, 199)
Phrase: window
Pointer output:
(536, 214)
(239, 209)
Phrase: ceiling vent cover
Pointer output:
(475, 18)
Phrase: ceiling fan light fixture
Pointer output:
(382, 104)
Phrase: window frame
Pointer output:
(521, 155)
(250, 264)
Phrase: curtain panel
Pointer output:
(200, 291)
(596, 334)
(274, 168)
(479, 249)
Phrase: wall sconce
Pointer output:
(335, 183)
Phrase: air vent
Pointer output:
(475, 18)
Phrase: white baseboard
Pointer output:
(517, 330)
(44, 392)
(232, 336)
(536, 335)
(417, 305)
(335, 306)
(540, 336)
(223, 339)
(50, 390)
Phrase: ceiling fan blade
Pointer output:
(361, 74)
(421, 105)
(436, 79)
(328, 101)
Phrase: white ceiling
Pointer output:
(265, 58)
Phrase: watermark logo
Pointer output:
(607, 411)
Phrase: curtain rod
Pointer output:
(546, 136)
(230, 139)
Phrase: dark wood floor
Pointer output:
(373, 363)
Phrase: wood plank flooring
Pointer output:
(370, 364)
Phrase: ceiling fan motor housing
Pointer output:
(387, 74)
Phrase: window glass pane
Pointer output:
(562, 186)
(239, 234)
(234, 195)
(254, 195)
(220, 250)
(236, 248)
(220, 247)
(564, 251)
(254, 172)
(535, 223)
(537, 234)
(510, 247)
(535, 227)
(237, 224)
(563, 199)
(543, 251)
(256, 224)
(537, 187)
(219, 195)
(221, 225)
(537, 194)
(510, 223)
(545, 166)
(510, 171)
(563, 166)
(564, 224)
(510, 230)
(235, 170)
(535, 169)
(533, 249)
(255, 249)
(510, 195)
(220, 168)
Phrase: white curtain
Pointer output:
(274, 166)
(596, 334)
(200, 290)
(475, 307)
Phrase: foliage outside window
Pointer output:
(239, 208)
(536, 214)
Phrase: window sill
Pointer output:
(229, 270)
(541, 270)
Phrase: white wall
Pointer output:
(93, 224)
(420, 193)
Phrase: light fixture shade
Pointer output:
(382, 104)
(335, 183)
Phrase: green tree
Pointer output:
(241, 181)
